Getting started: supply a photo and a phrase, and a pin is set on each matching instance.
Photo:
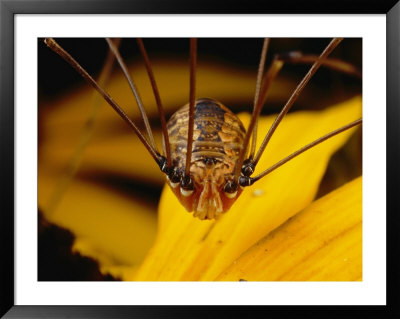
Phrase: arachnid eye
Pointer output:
(209, 161)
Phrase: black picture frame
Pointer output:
(8, 10)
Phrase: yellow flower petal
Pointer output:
(190, 249)
(225, 84)
(322, 243)
(93, 213)
(113, 155)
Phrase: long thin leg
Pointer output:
(294, 57)
(257, 94)
(158, 102)
(295, 95)
(52, 44)
(132, 85)
(332, 63)
(75, 160)
(247, 181)
(271, 74)
(192, 95)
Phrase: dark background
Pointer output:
(240, 52)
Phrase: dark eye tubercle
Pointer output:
(209, 161)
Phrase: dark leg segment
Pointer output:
(187, 183)
(158, 102)
(53, 45)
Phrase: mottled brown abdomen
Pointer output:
(217, 141)
(218, 133)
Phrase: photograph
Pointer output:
(173, 159)
(200, 159)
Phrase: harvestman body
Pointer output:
(218, 137)
(204, 143)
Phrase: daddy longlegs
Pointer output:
(222, 157)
